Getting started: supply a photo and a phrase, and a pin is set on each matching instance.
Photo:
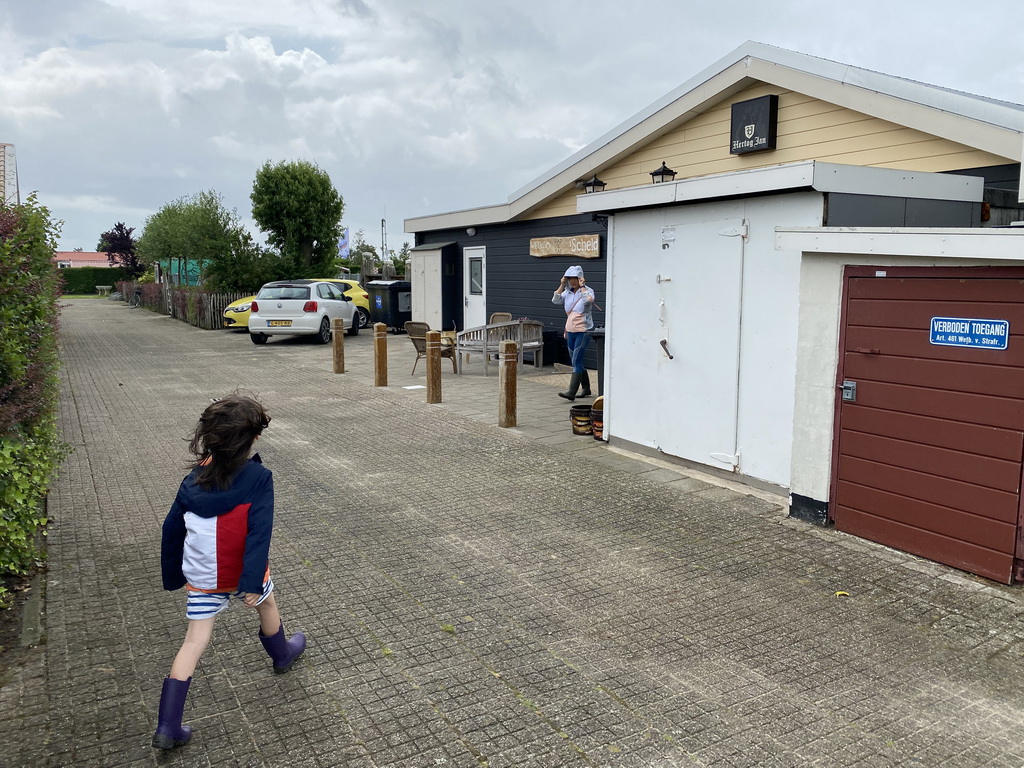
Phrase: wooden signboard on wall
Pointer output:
(577, 246)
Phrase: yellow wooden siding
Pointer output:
(563, 205)
(809, 129)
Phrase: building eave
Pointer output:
(1003, 244)
(471, 217)
(788, 177)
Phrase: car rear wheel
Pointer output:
(324, 334)
(258, 338)
(364, 317)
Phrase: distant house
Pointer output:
(69, 259)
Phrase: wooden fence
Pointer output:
(190, 305)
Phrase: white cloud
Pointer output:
(412, 107)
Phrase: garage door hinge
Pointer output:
(737, 231)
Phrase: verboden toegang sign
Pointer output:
(970, 332)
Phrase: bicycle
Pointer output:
(136, 299)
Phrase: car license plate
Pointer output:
(278, 323)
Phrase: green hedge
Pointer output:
(85, 279)
(30, 449)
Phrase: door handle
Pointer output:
(664, 345)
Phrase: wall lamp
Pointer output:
(594, 185)
(471, 231)
(662, 174)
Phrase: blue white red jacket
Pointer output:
(219, 541)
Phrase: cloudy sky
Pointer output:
(412, 106)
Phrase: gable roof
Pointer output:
(91, 258)
(979, 122)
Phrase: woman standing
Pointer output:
(578, 301)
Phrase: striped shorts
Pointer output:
(203, 605)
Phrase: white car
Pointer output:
(300, 307)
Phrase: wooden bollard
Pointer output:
(507, 383)
(338, 337)
(380, 355)
(433, 366)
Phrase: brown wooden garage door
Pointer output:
(929, 455)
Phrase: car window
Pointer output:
(283, 292)
(324, 291)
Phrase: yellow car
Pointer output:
(236, 314)
(359, 297)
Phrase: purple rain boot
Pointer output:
(170, 733)
(283, 651)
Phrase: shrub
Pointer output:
(30, 450)
(85, 279)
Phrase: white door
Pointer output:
(474, 271)
(698, 274)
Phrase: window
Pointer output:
(271, 292)
(476, 276)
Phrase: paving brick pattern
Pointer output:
(476, 596)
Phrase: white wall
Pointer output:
(769, 335)
(769, 296)
(425, 281)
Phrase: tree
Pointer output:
(298, 207)
(190, 234)
(120, 247)
(245, 267)
(401, 259)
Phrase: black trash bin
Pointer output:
(552, 342)
(390, 303)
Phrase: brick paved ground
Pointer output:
(476, 596)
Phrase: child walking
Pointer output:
(216, 544)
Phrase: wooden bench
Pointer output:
(486, 340)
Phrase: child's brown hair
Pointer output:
(223, 438)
